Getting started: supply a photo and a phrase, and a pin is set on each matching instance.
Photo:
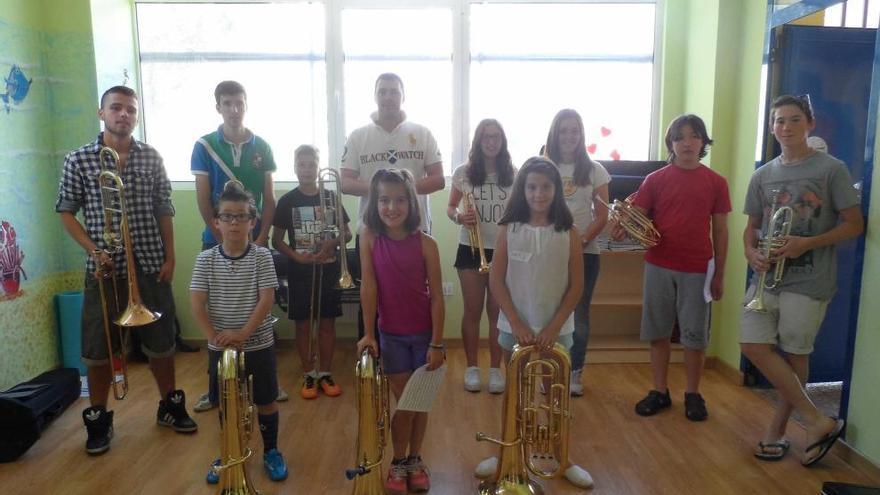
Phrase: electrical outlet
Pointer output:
(447, 288)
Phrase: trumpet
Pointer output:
(476, 239)
(778, 227)
(373, 426)
(534, 437)
(118, 239)
(236, 424)
(637, 225)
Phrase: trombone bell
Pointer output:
(137, 315)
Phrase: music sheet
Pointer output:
(421, 389)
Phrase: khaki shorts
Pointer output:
(791, 322)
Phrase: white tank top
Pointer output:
(537, 275)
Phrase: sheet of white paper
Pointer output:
(421, 389)
(707, 287)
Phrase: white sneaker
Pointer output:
(496, 381)
(577, 389)
(472, 379)
(578, 476)
(204, 404)
(487, 467)
(282, 395)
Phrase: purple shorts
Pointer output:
(403, 353)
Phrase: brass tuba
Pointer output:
(637, 225)
(534, 436)
(373, 426)
(236, 424)
(778, 227)
(118, 239)
(476, 239)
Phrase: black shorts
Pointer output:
(299, 283)
(258, 364)
(465, 260)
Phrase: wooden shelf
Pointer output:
(625, 348)
(617, 300)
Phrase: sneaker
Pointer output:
(99, 426)
(204, 403)
(213, 477)
(309, 389)
(578, 476)
(282, 395)
(328, 386)
(395, 483)
(486, 468)
(577, 389)
(653, 403)
(418, 477)
(274, 464)
(172, 412)
(695, 407)
(496, 381)
(472, 379)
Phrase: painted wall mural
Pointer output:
(17, 87)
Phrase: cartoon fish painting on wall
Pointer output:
(17, 87)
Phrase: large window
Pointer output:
(518, 62)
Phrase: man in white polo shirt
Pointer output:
(390, 141)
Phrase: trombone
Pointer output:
(778, 227)
(117, 240)
(476, 239)
(637, 225)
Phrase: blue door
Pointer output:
(833, 66)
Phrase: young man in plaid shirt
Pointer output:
(149, 210)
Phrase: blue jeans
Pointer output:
(582, 312)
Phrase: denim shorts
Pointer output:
(404, 353)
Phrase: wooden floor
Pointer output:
(625, 453)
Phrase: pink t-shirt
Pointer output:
(681, 202)
(404, 301)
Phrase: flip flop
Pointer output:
(777, 450)
(825, 443)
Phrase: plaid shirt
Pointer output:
(147, 197)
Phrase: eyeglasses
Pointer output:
(239, 217)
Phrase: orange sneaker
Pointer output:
(418, 478)
(328, 386)
(309, 389)
(395, 483)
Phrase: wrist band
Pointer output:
(437, 346)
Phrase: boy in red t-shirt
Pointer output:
(689, 204)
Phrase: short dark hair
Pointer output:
(517, 209)
(388, 76)
(802, 102)
(673, 133)
(229, 88)
(476, 166)
(122, 90)
(392, 176)
(234, 192)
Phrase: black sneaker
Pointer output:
(695, 407)
(99, 426)
(172, 412)
(653, 403)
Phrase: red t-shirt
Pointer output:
(681, 202)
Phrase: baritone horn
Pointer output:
(534, 436)
(476, 239)
(236, 424)
(778, 227)
(118, 238)
(374, 425)
(637, 225)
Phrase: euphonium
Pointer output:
(534, 437)
(476, 239)
(236, 424)
(373, 426)
(637, 225)
(778, 227)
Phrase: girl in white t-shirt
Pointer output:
(487, 177)
(583, 180)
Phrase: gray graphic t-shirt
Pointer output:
(816, 188)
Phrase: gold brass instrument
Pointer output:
(476, 239)
(778, 227)
(336, 227)
(374, 423)
(637, 225)
(534, 436)
(236, 424)
(135, 314)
